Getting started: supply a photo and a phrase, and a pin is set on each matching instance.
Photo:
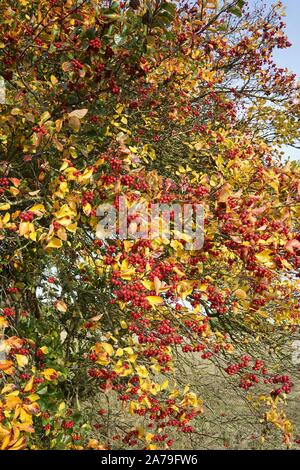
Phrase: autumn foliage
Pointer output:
(158, 101)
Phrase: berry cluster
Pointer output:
(76, 65)
(27, 216)
(9, 312)
(40, 130)
(88, 196)
(68, 424)
(134, 294)
(12, 290)
(95, 44)
(248, 381)
(4, 182)
(286, 387)
(115, 89)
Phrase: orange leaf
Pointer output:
(7, 366)
(61, 306)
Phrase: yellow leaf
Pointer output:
(213, 181)
(4, 207)
(127, 245)
(142, 371)
(3, 323)
(86, 175)
(152, 447)
(133, 406)
(74, 122)
(156, 368)
(103, 359)
(21, 360)
(29, 385)
(87, 208)
(148, 284)
(62, 234)
(3, 432)
(164, 385)
(25, 228)
(54, 243)
(149, 437)
(275, 185)
(78, 113)
(225, 192)
(6, 218)
(33, 397)
(45, 116)
(264, 258)
(121, 370)
(23, 415)
(58, 126)
(286, 264)
(184, 288)
(8, 388)
(44, 349)
(14, 191)
(177, 271)
(108, 348)
(62, 406)
(65, 221)
(119, 108)
(129, 351)
(33, 236)
(126, 272)
(154, 300)
(12, 400)
(51, 374)
(132, 358)
(64, 211)
(53, 80)
(32, 408)
(20, 444)
(26, 427)
(202, 287)
(71, 228)
(240, 294)
(15, 111)
(5, 442)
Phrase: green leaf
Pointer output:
(90, 33)
(236, 11)
(171, 7)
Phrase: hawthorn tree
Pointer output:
(113, 343)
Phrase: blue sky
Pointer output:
(289, 57)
